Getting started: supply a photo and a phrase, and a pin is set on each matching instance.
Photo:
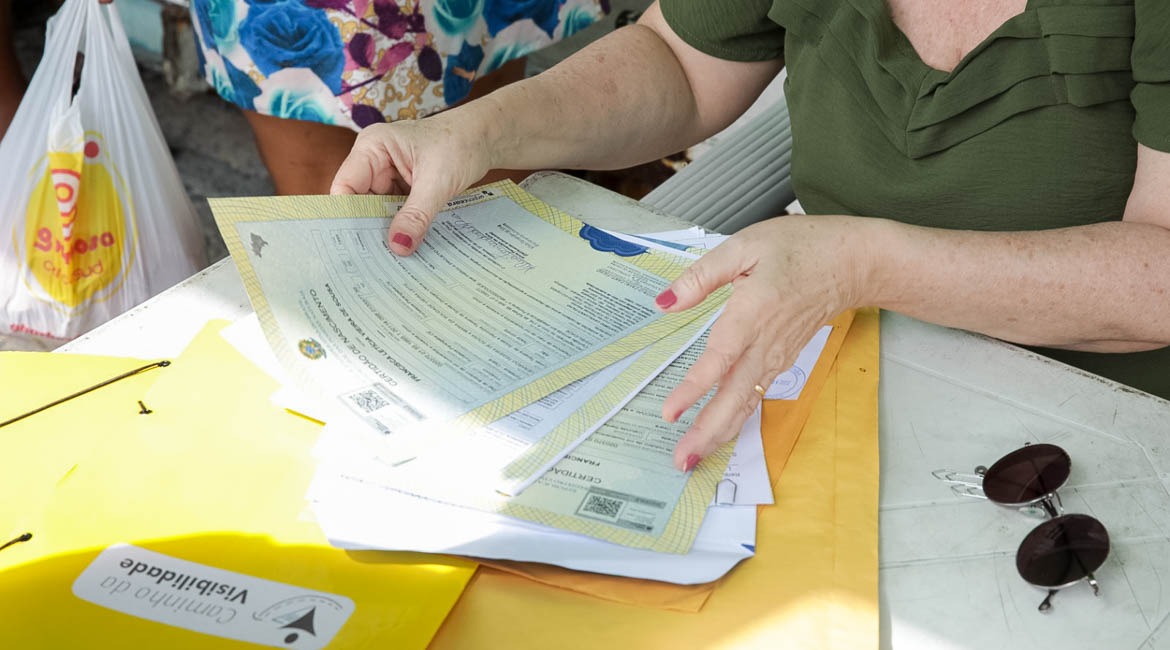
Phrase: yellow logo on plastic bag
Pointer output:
(75, 233)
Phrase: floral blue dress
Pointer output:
(354, 63)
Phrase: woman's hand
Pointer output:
(790, 275)
(431, 160)
(635, 94)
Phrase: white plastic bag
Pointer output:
(93, 216)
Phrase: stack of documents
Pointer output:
(496, 394)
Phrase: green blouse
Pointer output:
(1036, 128)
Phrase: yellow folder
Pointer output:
(812, 584)
(184, 528)
(38, 451)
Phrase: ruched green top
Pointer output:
(1036, 128)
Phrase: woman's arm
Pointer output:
(1098, 288)
(636, 94)
(1103, 287)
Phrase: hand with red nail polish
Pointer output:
(790, 275)
(666, 299)
(428, 160)
(404, 242)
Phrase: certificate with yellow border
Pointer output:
(502, 304)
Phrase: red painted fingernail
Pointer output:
(666, 299)
(402, 239)
(692, 460)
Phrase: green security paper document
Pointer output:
(502, 304)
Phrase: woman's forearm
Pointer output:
(1103, 287)
(637, 94)
(617, 103)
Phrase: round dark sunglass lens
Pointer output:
(1062, 551)
(1026, 474)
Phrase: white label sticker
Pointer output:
(205, 599)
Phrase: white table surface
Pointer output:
(948, 399)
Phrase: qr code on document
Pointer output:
(368, 400)
(606, 507)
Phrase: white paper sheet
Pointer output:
(357, 518)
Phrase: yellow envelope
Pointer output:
(812, 583)
(208, 490)
(782, 422)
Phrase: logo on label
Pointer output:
(305, 623)
(311, 348)
(297, 617)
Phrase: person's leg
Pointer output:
(12, 80)
(302, 157)
(510, 72)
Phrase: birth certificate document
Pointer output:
(503, 303)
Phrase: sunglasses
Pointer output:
(1058, 553)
